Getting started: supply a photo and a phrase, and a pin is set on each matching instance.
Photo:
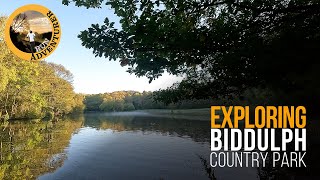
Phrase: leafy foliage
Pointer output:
(120, 101)
(34, 90)
(132, 100)
(222, 46)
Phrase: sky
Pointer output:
(37, 22)
(91, 75)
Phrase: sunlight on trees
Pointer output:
(34, 90)
(133, 100)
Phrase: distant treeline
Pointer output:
(133, 100)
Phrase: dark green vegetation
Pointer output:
(132, 100)
(34, 90)
(224, 47)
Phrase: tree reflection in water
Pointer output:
(31, 148)
(199, 131)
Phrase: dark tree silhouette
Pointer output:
(223, 47)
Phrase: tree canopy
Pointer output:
(221, 46)
(34, 90)
(133, 100)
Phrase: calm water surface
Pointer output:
(109, 146)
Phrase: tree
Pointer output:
(20, 23)
(34, 90)
(56, 88)
(222, 46)
(93, 102)
(78, 104)
(129, 107)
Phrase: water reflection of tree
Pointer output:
(29, 149)
(197, 130)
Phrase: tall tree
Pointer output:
(222, 46)
(34, 90)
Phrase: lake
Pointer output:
(133, 145)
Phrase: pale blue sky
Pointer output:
(91, 75)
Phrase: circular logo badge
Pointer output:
(32, 32)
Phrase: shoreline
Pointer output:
(202, 114)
